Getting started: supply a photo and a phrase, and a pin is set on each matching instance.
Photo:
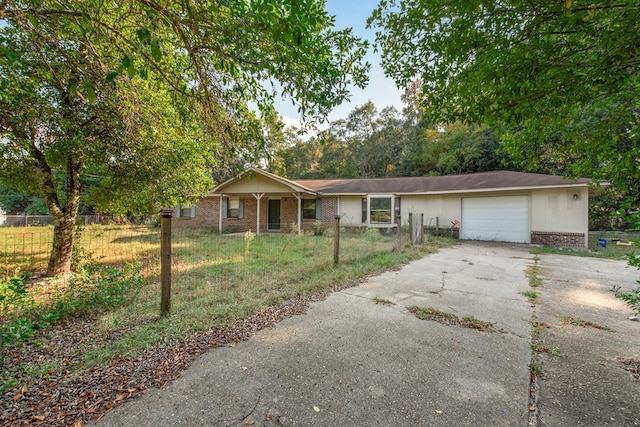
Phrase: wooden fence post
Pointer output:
(165, 261)
(336, 240)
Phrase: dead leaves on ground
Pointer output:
(60, 399)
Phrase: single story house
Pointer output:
(499, 206)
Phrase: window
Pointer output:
(380, 210)
(311, 209)
(232, 207)
(185, 211)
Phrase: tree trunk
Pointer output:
(64, 217)
(63, 235)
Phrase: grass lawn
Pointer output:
(217, 280)
(619, 246)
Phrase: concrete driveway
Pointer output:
(352, 362)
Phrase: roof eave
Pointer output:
(491, 189)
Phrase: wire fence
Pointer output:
(197, 254)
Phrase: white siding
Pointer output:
(350, 210)
(560, 210)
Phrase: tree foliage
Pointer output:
(512, 59)
(563, 76)
(145, 95)
(373, 144)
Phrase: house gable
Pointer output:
(255, 181)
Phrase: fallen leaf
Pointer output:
(38, 417)
(250, 423)
(438, 411)
(267, 417)
(244, 368)
(18, 397)
(315, 408)
(78, 424)
(232, 345)
(532, 407)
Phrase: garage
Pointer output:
(502, 219)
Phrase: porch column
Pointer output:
(299, 198)
(220, 216)
(258, 197)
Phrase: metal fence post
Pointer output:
(165, 261)
(336, 240)
(399, 231)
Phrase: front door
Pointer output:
(273, 222)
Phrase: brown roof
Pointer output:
(437, 184)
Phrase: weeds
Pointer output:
(544, 348)
(577, 321)
(535, 369)
(248, 239)
(100, 287)
(532, 295)
(631, 297)
(429, 313)
(214, 283)
(533, 273)
(382, 301)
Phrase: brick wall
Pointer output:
(207, 215)
(561, 240)
(329, 211)
(207, 211)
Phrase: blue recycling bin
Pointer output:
(602, 243)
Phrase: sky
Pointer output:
(381, 90)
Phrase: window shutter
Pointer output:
(364, 210)
(178, 210)
(318, 208)
(224, 207)
(241, 210)
(193, 211)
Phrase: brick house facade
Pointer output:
(207, 214)
(501, 206)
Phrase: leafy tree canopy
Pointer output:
(563, 75)
(145, 96)
(512, 59)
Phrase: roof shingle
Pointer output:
(438, 184)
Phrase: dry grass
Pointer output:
(217, 279)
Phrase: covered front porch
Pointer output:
(263, 202)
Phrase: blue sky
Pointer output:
(381, 90)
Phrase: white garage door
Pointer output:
(503, 219)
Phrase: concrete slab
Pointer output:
(349, 361)
(585, 384)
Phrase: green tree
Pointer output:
(13, 201)
(563, 75)
(456, 149)
(147, 95)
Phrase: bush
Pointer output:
(98, 287)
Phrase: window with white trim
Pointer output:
(380, 210)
